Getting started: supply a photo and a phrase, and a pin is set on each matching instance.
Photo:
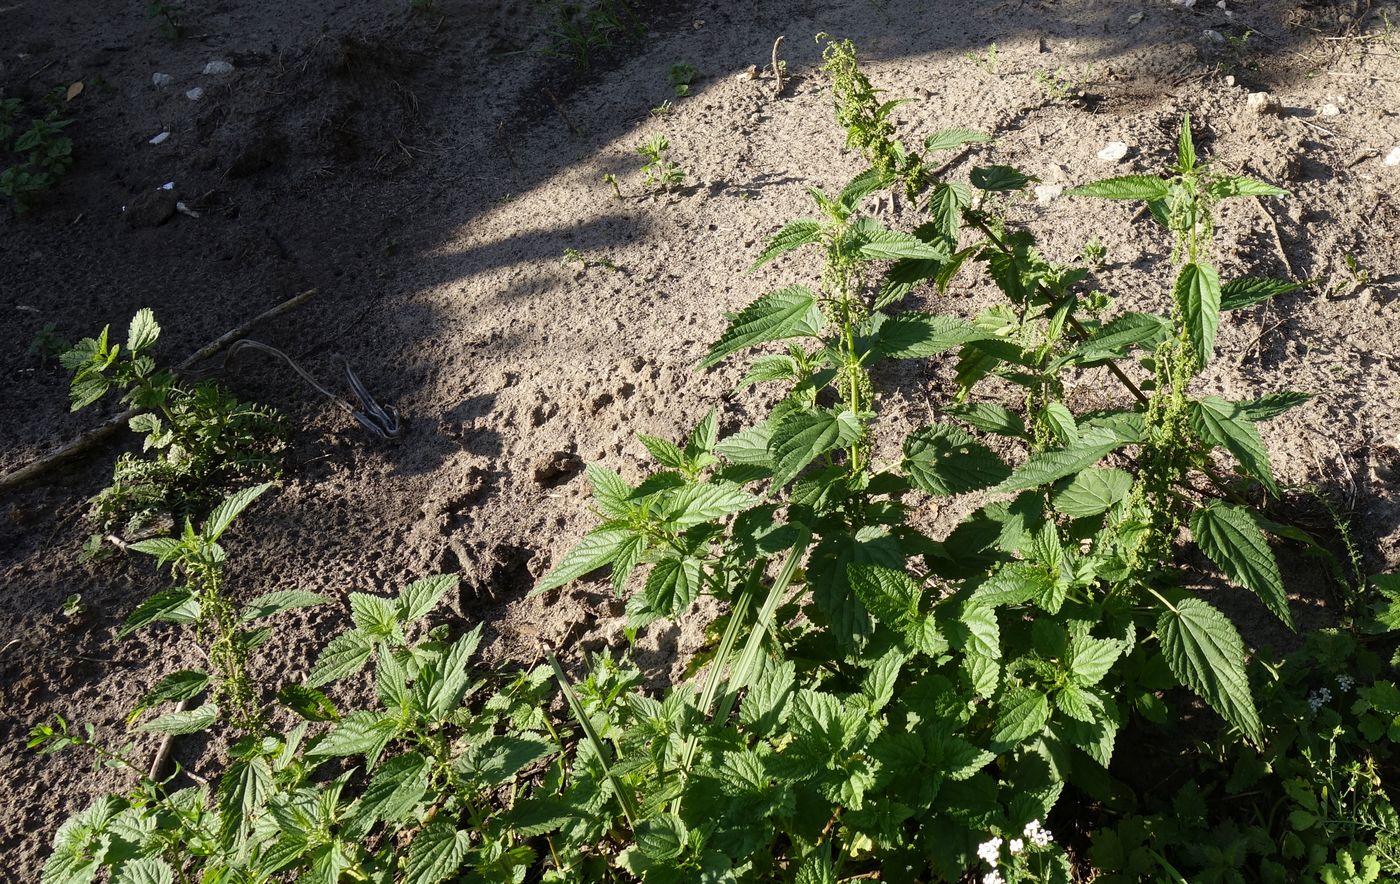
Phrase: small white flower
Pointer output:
(993, 877)
(1319, 698)
(990, 851)
(1037, 835)
(1016, 845)
(1345, 683)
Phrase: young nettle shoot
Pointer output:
(659, 172)
(611, 179)
(681, 76)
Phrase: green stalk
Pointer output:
(625, 798)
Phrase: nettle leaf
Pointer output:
(793, 235)
(782, 367)
(1270, 406)
(502, 757)
(373, 615)
(1222, 423)
(697, 504)
(1206, 654)
(894, 245)
(241, 792)
(891, 595)
(1124, 187)
(661, 838)
(1024, 711)
(1048, 466)
(173, 606)
(748, 446)
(143, 330)
(1242, 185)
(1090, 659)
(953, 138)
(145, 870)
(942, 459)
(609, 490)
(343, 655)
(915, 335)
(185, 721)
(765, 703)
(1093, 491)
(421, 596)
(359, 733)
(224, 514)
(1249, 290)
(1117, 338)
(1232, 539)
(702, 439)
(309, 703)
(666, 453)
(945, 206)
(1198, 296)
(673, 584)
(789, 312)
(989, 418)
(183, 685)
(395, 789)
(999, 178)
(279, 601)
(436, 853)
(905, 276)
(803, 436)
(441, 685)
(593, 552)
(862, 186)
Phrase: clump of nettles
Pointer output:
(199, 441)
(32, 158)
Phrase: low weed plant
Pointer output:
(35, 153)
(875, 702)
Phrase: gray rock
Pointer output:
(151, 208)
(160, 80)
(218, 68)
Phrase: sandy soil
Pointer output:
(427, 173)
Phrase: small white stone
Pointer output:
(1135, 19)
(1261, 103)
(1114, 151)
(169, 185)
(1184, 4)
(218, 68)
(161, 80)
(1229, 79)
(159, 138)
(1045, 194)
(195, 94)
(1330, 110)
(1393, 158)
(1213, 37)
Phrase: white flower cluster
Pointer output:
(1038, 836)
(990, 851)
(993, 877)
(1345, 683)
(1319, 698)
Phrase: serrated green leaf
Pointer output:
(895, 245)
(279, 601)
(697, 504)
(789, 312)
(1222, 423)
(145, 870)
(1045, 467)
(903, 277)
(914, 335)
(1242, 185)
(593, 552)
(999, 178)
(1243, 292)
(503, 756)
(183, 722)
(748, 446)
(764, 706)
(1091, 492)
(945, 207)
(174, 606)
(1185, 146)
(793, 235)
(1023, 713)
(989, 418)
(805, 435)
(950, 139)
(1124, 187)
(343, 655)
(441, 685)
(673, 584)
(87, 389)
(395, 789)
(1198, 297)
(421, 596)
(1119, 337)
(241, 792)
(143, 331)
(359, 733)
(861, 186)
(665, 452)
(1270, 406)
(224, 514)
(1232, 539)
(309, 703)
(183, 685)
(662, 838)
(374, 615)
(436, 853)
(1205, 653)
(942, 459)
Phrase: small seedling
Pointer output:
(574, 255)
(662, 109)
(612, 179)
(986, 60)
(659, 172)
(33, 160)
(681, 76)
(1093, 254)
(1059, 87)
(168, 16)
(1352, 282)
(47, 344)
(73, 606)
